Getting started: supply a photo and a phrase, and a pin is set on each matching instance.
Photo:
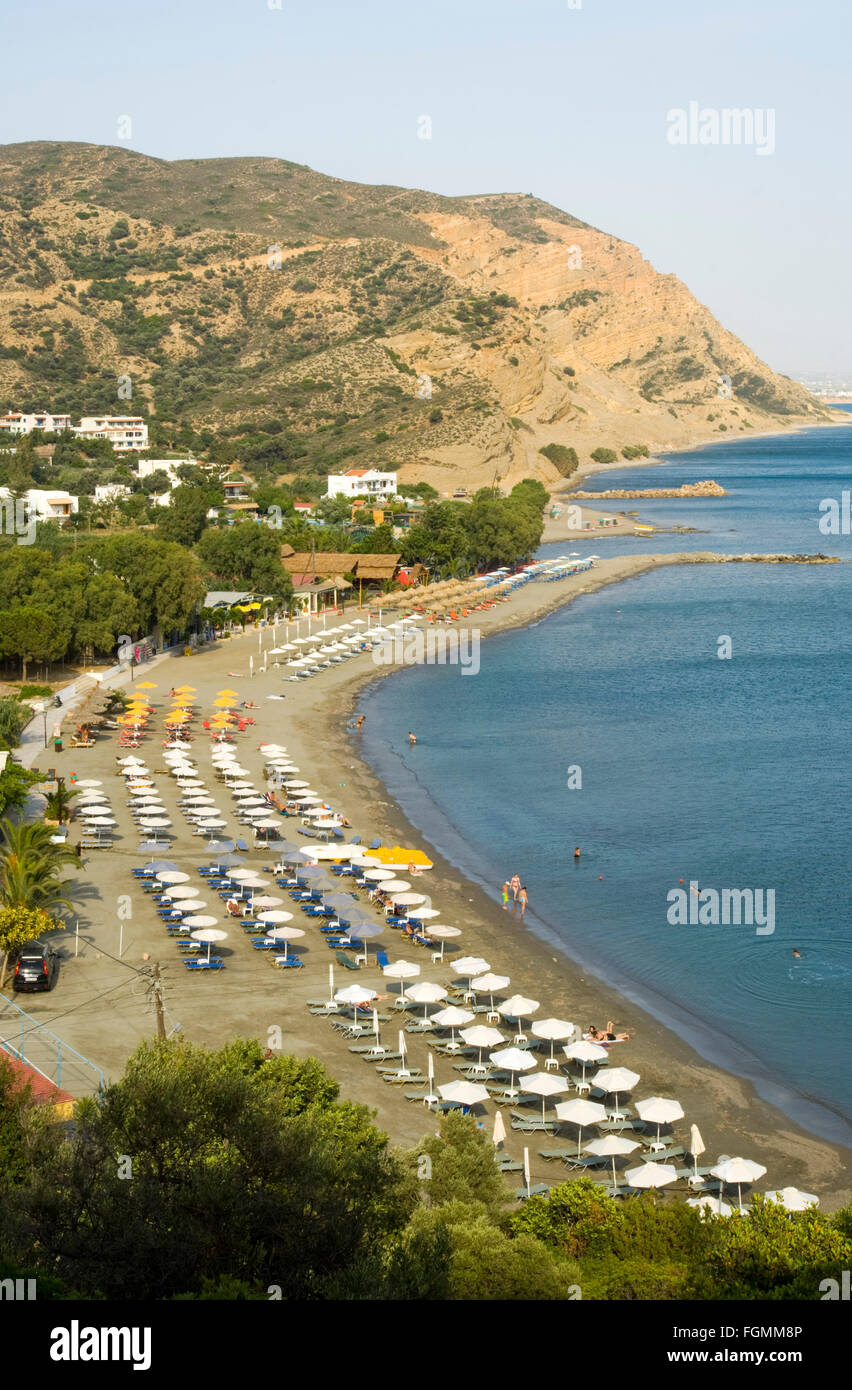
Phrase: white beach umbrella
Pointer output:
(423, 914)
(656, 1110)
(487, 984)
(466, 1092)
(205, 931)
(696, 1148)
(792, 1198)
(395, 885)
(581, 1113)
(377, 875)
(173, 876)
(552, 1030)
(181, 890)
(267, 901)
(609, 1145)
(584, 1052)
(401, 970)
(203, 921)
(611, 1080)
(452, 1018)
(737, 1170)
(354, 994)
(406, 899)
(480, 1036)
(544, 1084)
(714, 1205)
(425, 992)
(272, 915)
(498, 1134)
(513, 1060)
(442, 934)
(651, 1175)
(285, 934)
(468, 966)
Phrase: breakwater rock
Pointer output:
(706, 488)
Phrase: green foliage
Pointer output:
(603, 455)
(564, 457)
(571, 1217)
(12, 721)
(246, 556)
(462, 1164)
(635, 451)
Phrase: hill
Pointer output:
(296, 322)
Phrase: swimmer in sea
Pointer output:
(797, 953)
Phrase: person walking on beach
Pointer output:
(505, 891)
(515, 885)
(522, 899)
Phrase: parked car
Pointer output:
(36, 967)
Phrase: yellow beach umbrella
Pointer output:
(399, 855)
(147, 685)
(185, 690)
(222, 703)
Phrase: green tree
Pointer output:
(18, 925)
(32, 634)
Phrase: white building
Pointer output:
(362, 482)
(145, 467)
(111, 492)
(126, 433)
(17, 423)
(45, 504)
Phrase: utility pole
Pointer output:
(157, 991)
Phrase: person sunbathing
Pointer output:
(607, 1035)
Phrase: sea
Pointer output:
(687, 730)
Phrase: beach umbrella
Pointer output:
(265, 902)
(172, 876)
(285, 934)
(468, 966)
(544, 1084)
(339, 900)
(430, 1098)
(272, 915)
(658, 1111)
(181, 890)
(520, 1008)
(452, 1018)
(160, 866)
(487, 983)
(651, 1175)
(584, 1052)
(89, 782)
(443, 934)
(364, 931)
(405, 899)
(498, 1134)
(581, 1113)
(792, 1198)
(481, 1036)
(220, 846)
(354, 994)
(552, 1030)
(401, 970)
(737, 1170)
(611, 1080)
(108, 821)
(609, 1145)
(513, 1060)
(190, 905)
(206, 933)
(395, 885)
(426, 992)
(714, 1205)
(465, 1092)
(696, 1148)
(423, 914)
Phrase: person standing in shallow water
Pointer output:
(505, 891)
(515, 885)
(522, 899)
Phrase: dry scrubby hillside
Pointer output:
(533, 328)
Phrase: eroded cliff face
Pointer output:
(332, 324)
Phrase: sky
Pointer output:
(571, 100)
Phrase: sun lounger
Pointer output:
(534, 1126)
(347, 962)
(409, 1077)
(538, 1189)
(287, 963)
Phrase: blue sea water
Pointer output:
(726, 772)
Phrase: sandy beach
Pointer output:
(100, 1005)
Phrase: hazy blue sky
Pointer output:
(529, 95)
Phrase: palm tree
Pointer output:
(30, 865)
(59, 801)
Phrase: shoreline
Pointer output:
(311, 720)
(732, 1109)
